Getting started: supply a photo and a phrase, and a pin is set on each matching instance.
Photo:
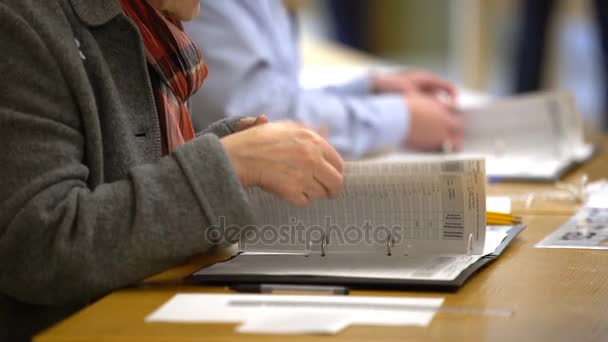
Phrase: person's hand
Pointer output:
(252, 121)
(433, 125)
(415, 82)
(286, 159)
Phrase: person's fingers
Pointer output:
(249, 122)
(453, 91)
(260, 120)
(433, 102)
(455, 131)
(300, 200)
(457, 139)
(406, 86)
(446, 99)
(445, 103)
(332, 156)
(290, 191)
(246, 123)
(316, 190)
(429, 83)
(434, 84)
(323, 131)
(328, 177)
(455, 124)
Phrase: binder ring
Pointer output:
(309, 248)
(323, 245)
(389, 245)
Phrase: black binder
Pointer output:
(325, 269)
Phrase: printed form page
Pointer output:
(399, 207)
(362, 266)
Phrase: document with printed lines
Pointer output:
(426, 207)
(393, 221)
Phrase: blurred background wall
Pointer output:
(472, 42)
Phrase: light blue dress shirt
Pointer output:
(253, 59)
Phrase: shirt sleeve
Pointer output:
(254, 70)
(360, 85)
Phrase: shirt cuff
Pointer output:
(393, 120)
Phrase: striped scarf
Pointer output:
(176, 66)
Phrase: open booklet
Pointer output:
(534, 137)
(395, 223)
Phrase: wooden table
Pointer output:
(555, 295)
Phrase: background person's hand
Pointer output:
(413, 83)
(286, 159)
(433, 125)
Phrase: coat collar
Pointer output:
(96, 12)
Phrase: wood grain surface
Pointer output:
(554, 294)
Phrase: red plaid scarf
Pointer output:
(177, 69)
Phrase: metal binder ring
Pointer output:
(323, 243)
(309, 248)
(389, 246)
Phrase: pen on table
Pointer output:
(494, 179)
(290, 289)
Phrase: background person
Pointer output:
(251, 47)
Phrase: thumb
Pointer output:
(250, 122)
(260, 120)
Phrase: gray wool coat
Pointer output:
(87, 203)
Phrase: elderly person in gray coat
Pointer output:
(103, 182)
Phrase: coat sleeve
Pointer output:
(62, 241)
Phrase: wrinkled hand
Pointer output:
(433, 125)
(286, 159)
(415, 83)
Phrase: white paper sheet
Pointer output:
(597, 194)
(498, 204)
(587, 229)
(325, 323)
(426, 207)
(597, 201)
(295, 314)
(364, 265)
(528, 137)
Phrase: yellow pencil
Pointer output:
(505, 219)
(494, 218)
